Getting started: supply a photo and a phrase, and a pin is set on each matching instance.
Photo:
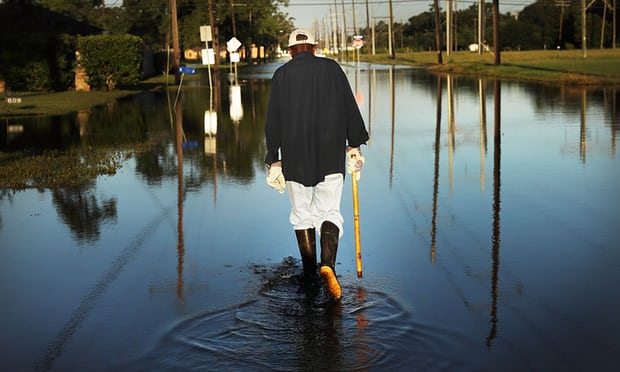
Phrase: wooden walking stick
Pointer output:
(356, 224)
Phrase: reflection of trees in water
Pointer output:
(115, 124)
(5, 194)
(81, 210)
(240, 147)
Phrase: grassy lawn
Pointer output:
(58, 103)
(600, 67)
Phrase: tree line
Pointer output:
(542, 24)
(31, 36)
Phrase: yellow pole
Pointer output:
(356, 224)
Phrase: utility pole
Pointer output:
(232, 15)
(336, 31)
(613, 37)
(562, 4)
(353, 11)
(368, 24)
(214, 43)
(603, 24)
(391, 32)
(481, 23)
(496, 42)
(176, 56)
(583, 28)
(437, 32)
(448, 27)
(344, 31)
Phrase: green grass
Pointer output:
(59, 103)
(600, 67)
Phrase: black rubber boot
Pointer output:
(329, 248)
(329, 244)
(306, 239)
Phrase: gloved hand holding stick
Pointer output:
(355, 161)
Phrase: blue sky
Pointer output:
(306, 12)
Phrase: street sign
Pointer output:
(233, 44)
(205, 33)
(187, 70)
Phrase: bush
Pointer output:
(111, 60)
(37, 62)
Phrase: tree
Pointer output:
(148, 19)
(542, 19)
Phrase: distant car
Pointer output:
(474, 47)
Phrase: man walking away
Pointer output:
(313, 130)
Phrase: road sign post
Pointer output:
(358, 43)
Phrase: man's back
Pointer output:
(314, 110)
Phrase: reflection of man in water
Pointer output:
(313, 128)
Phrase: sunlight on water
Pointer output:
(488, 217)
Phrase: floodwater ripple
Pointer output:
(293, 326)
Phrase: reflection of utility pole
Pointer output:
(392, 111)
(451, 129)
(583, 139)
(372, 80)
(180, 197)
(496, 212)
(436, 169)
(483, 128)
(614, 120)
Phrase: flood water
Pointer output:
(489, 235)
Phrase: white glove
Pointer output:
(355, 161)
(275, 178)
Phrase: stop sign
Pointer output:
(358, 43)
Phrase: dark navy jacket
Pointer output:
(311, 117)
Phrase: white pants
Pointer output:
(311, 206)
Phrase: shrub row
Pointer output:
(43, 62)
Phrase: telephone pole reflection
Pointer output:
(436, 169)
(180, 197)
(583, 136)
(614, 120)
(392, 110)
(483, 128)
(497, 133)
(451, 128)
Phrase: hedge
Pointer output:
(111, 60)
